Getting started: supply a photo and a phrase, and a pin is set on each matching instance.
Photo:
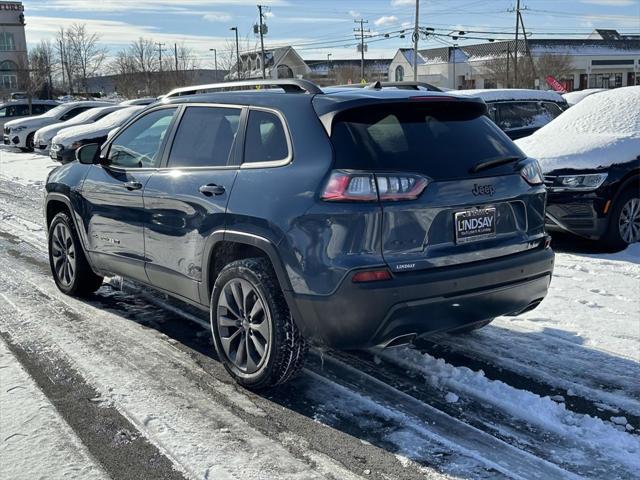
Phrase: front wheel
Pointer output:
(69, 266)
(255, 337)
(624, 223)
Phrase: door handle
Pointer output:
(133, 185)
(211, 189)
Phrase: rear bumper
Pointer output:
(367, 314)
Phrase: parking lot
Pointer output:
(133, 378)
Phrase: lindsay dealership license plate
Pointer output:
(476, 224)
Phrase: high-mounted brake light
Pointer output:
(432, 98)
(369, 187)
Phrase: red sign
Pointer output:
(555, 84)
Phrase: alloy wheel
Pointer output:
(64, 254)
(629, 221)
(244, 325)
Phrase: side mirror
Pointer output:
(88, 154)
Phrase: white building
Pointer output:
(279, 63)
(13, 46)
(604, 60)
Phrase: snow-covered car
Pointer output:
(573, 98)
(17, 109)
(591, 159)
(20, 133)
(139, 101)
(44, 135)
(519, 112)
(68, 140)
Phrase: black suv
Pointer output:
(345, 217)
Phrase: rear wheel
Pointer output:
(255, 337)
(624, 223)
(470, 328)
(69, 266)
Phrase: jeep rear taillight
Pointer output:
(344, 186)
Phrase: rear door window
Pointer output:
(205, 137)
(266, 140)
(440, 140)
(73, 112)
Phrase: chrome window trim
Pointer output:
(270, 163)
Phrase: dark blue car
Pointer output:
(345, 217)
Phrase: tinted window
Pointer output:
(514, 115)
(552, 109)
(441, 140)
(39, 108)
(73, 112)
(138, 146)
(266, 140)
(205, 137)
(17, 110)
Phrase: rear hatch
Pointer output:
(448, 181)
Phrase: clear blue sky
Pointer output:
(318, 27)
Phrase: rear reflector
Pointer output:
(371, 276)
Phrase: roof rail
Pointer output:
(288, 85)
(407, 85)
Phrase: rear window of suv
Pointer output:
(438, 139)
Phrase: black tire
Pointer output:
(28, 143)
(285, 348)
(79, 280)
(613, 238)
(470, 328)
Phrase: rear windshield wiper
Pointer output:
(493, 163)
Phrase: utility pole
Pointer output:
(237, 52)
(328, 66)
(264, 74)
(160, 48)
(175, 50)
(361, 31)
(416, 37)
(515, 53)
(62, 60)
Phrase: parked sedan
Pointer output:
(519, 112)
(20, 133)
(591, 159)
(44, 135)
(68, 140)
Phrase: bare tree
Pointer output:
(559, 66)
(41, 66)
(85, 54)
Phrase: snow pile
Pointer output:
(576, 97)
(601, 130)
(535, 410)
(504, 94)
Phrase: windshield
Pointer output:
(440, 140)
(54, 112)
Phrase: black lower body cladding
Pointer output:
(361, 315)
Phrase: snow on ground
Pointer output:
(36, 441)
(601, 130)
(25, 168)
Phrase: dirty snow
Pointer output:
(601, 130)
(25, 168)
(36, 441)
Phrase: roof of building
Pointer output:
(609, 44)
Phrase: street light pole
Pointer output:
(215, 61)
(237, 52)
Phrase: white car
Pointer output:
(17, 109)
(20, 133)
(68, 140)
(43, 136)
(573, 98)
